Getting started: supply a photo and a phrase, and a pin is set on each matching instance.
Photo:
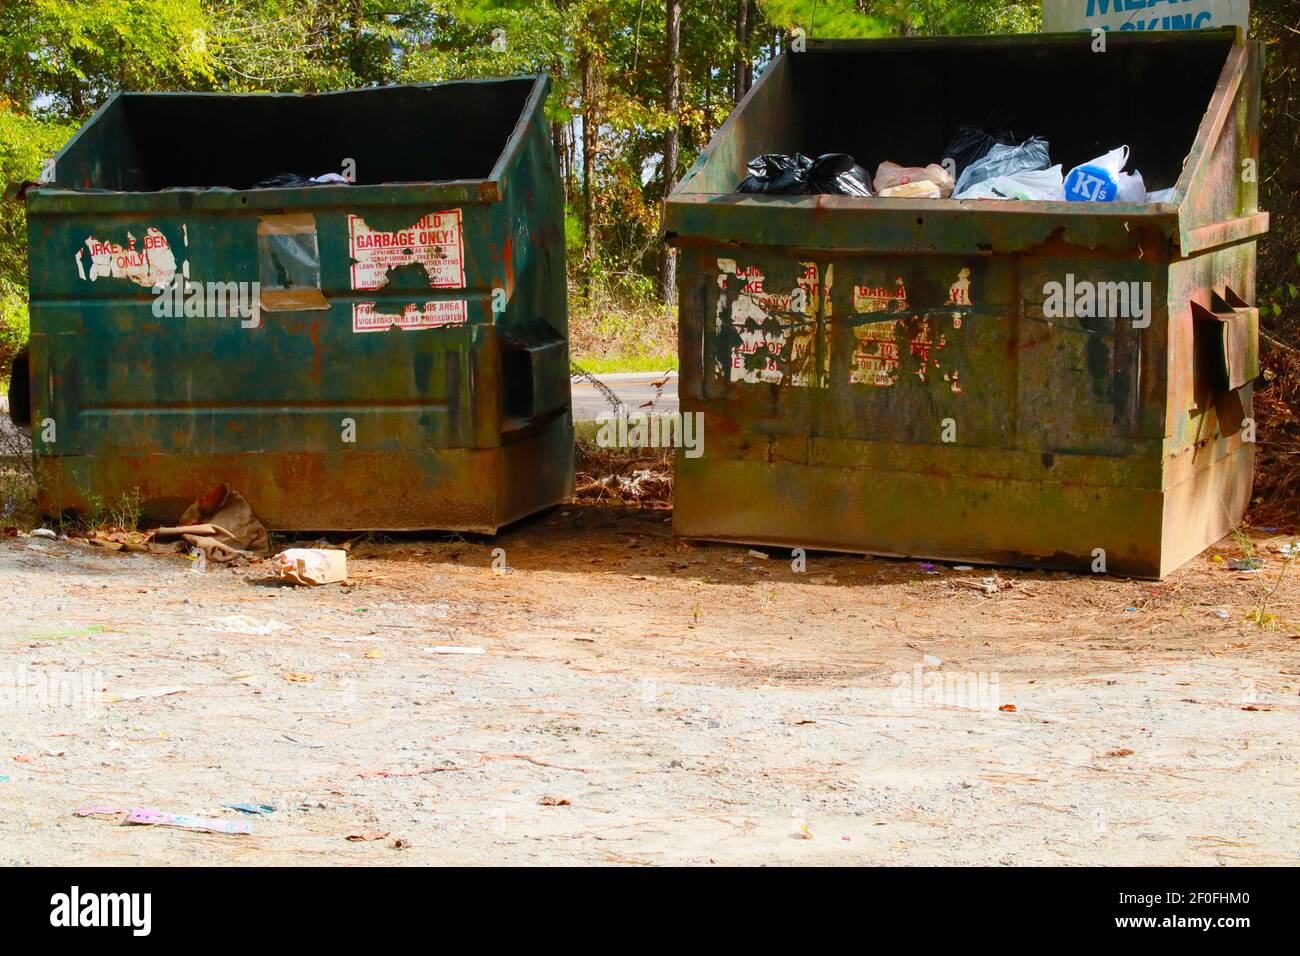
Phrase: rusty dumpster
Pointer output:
(897, 377)
(348, 306)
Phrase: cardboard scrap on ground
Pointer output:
(143, 816)
(239, 624)
(250, 807)
(119, 540)
(221, 524)
(113, 698)
(367, 836)
(311, 565)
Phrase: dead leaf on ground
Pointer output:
(1008, 708)
(367, 836)
(553, 802)
(1122, 752)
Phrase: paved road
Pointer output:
(634, 388)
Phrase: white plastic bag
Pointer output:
(1162, 195)
(1045, 184)
(1131, 188)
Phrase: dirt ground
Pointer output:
(645, 700)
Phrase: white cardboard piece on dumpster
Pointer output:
(311, 565)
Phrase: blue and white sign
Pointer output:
(1066, 15)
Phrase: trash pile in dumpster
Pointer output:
(977, 164)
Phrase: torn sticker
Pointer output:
(148, 262)
(367, 318)
(959, 294)
(434, 242)
(959, 291)
(875, 355)
(921, 345)
(880, 298)
(768, 335)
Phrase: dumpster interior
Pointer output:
(904, 102)
(201, 140)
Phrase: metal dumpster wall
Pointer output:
(321, 419)
(930, 406)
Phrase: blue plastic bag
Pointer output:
(1097, 180)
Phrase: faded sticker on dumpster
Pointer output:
(875, 353)
(432, 315)
(768, 334)
(146, 261)
(912, 341)
(433, 242)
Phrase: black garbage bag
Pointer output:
(797, 175)
(837, 173)
(776, 173)
(970, 144)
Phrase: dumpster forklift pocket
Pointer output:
(532, 391)
(1227, 336)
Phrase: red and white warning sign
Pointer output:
(366, 318)
(434, 242)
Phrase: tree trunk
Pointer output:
(667, 261)
(557, 143)
(590, 125)
(570, 161)
(742, 72)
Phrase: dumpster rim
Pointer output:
(488, 187)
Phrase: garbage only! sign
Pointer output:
(1065, 15)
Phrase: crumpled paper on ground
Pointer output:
(221, 524)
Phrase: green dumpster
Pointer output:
(348, 306)
(894, 376)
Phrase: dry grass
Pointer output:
(1276, 501)
(623, 474)
(17, 478)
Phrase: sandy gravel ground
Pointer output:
(642, 700)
